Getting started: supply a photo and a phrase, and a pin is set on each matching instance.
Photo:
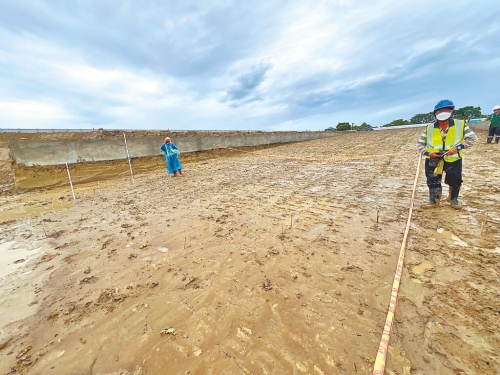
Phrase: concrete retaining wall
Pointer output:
(30, 153)
(483, 125)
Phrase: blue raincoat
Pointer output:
(171, 153)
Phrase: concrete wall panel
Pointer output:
(33, 152)
(483, 125)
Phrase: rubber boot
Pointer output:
(434, 198)
(175, 174)
(453, 198)
(497, 139)
(489, 139)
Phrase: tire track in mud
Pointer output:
(298, 200)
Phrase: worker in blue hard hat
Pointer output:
(443, 143)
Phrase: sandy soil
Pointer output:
(255, 264)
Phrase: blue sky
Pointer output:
(253, 65)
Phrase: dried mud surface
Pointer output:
(255, 264)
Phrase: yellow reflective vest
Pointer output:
(454, 137)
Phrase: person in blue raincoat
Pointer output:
(171, 153)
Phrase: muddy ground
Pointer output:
(255, 264)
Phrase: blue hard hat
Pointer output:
(444, 104)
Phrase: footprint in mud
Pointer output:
(354, 269)
(418, 270)
(89, 280)
(456, 240)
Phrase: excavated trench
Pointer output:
(22, 179)
(38, 161)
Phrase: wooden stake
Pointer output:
(128, 157)
(70, 182)
(377, 215)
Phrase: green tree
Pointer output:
(364, 125)
(397, 122)
(343, 126)
(465, 113)
(422, 118)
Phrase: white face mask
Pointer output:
(443, 116)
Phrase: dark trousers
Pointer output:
(453, 175)
(492, 132)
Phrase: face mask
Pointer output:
(443, 116)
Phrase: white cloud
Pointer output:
(44, 113)
(227, 64)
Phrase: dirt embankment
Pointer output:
(100, 133)
(257, 264)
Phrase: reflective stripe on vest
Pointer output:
(453, 137)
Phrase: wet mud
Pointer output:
(255, 264)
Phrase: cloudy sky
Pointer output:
(230, 64)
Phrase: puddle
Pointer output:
(32, 211)
(421, 268)
(12, 258)
(456, 240)
(33, 204)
